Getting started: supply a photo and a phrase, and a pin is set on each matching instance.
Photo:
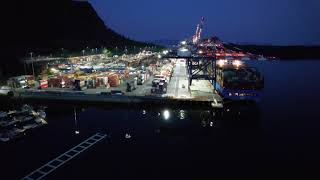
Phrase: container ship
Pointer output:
(237, 81)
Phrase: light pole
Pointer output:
(83, 52)
(32, 65)
(25, 67)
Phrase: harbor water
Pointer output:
(278, 136)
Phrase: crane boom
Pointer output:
(197, 35)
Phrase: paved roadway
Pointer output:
(178, 86)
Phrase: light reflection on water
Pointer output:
(173, 118)
(88, 119)
(182, 114)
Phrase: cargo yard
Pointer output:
(196, 70)
(129, 78)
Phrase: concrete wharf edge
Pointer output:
(119, 99)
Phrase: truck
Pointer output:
(159, 86)
(79, 85)
(141, 79)
(131, 86)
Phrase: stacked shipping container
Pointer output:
(113, 79)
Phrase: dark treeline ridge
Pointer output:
(47, 27)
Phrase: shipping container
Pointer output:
(131, 84)
(113, 80)
(79, 85)
(56, 82)
(43, 84)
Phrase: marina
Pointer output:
(16, 123)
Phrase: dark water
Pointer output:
(278, 137)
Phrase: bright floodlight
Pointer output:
(166, 114)
(183, 42)
(183, 49)
(159, 56)
(221, 63)
(237, 63)
(54, 70)
(165, 52)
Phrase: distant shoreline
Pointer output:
(281, 52)
(285, 52)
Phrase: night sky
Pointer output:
(241, 21)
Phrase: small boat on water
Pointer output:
(7, 122)
(40, 120)
(42, 114)
(26, 108)
(27, 118)
(30, 126)
(3, 114)
(11, 134)
(11, 112)
(4, 137)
